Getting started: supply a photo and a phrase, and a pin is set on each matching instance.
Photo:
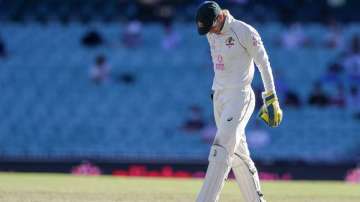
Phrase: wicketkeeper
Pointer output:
(235, 46)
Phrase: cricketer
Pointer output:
(235, 46)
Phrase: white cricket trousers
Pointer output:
(232, 110)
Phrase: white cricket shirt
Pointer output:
(233, 54)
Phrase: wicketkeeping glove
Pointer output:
(270, 112)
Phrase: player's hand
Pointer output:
(270, 112)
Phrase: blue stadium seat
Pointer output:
(51, 109)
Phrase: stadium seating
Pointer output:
(50, 108)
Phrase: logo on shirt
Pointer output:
(219, 63)
(214, 154)
(256, 41)
(229, 42)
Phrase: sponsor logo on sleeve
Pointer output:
(256, 41)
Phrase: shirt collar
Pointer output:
(229, 19)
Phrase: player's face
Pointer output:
(216, 27)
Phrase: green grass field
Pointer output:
(18, 187)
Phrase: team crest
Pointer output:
(229, 42)
(200, 24)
